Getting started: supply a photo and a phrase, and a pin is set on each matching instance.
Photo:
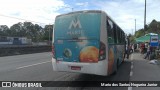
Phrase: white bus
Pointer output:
(87, 42)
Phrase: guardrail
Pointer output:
(17, 50)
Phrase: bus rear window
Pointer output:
(78, 26)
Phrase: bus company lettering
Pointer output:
(74, 32)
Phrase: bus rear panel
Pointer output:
(77, 46)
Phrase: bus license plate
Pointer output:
(75, 68)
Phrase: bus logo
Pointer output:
(75, 24)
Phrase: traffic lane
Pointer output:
(24, 56)
(30, 67)
(8, 63)
(40, 72)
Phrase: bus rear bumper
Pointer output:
(99, 68)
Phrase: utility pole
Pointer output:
(135, 26)
(49, 34)
(145, 18)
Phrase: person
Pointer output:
(142, 48)
(130, 49)
(127, 51)
(133, 48)
(137, 45)
(146, 47)
(148, 52)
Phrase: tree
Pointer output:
(4, 30)
(139, 33)
(48, 30)
(29, 30)
(153, 26)
(17, 30)
(38, 34)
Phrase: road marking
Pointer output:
(132, 63)
(131, 66)
(32, 65)
(131, 56)
(131, 73)
(129, 88)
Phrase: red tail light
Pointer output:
(53, 52)
(102, 52)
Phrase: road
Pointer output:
(29, 67)
(38, 67)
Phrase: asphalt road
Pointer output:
(38, 67)
(29, 67)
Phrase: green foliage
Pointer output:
(48, 30)
(132, 39)
(139, 33)
(4, 30)
(29, 30)
(153, 27)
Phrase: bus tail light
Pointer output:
(102, 52)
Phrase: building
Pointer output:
(4, 40)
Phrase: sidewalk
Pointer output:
(137, 56)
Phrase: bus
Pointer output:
(88, 42)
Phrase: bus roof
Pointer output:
(83, 11)
(91, 11)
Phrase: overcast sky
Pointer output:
(123, 12)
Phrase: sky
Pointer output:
(43, 12)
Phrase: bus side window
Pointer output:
(110, 32)
(119, 35)
(122, 37)
(115, 33)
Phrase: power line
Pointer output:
(21, 19)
